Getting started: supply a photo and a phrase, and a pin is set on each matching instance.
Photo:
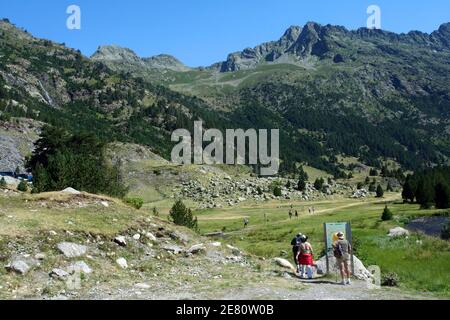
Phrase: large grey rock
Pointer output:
(360, 273)
(172, 248)
(122, 262)
(58, 273)
(398, 232)
(121, 241)
(71, 191)
(79, 266)
(196, 248)
(72, 250)
(18, 266)
(284, 264)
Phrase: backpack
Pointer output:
(337, 250)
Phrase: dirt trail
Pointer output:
(318, 212)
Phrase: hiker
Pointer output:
(296, 214)
(305, 257)
(342, 251)
(246, 222)
(313, 210)
(290, 214)
(295, 243)
(309, 210)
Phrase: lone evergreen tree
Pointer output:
(22, 186)
(182, 216)
(387, 214)
(425, 193)
(301, 185)
(380, 192)
(318, 184)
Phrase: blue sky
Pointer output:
(201, 32)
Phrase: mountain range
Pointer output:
(334, 93)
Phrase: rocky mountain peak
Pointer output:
(114, 53)
(165, 61)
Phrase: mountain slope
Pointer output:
(369, 94)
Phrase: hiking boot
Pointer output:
(348, 282)
(342, 283)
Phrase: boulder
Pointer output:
(72, 250)
(71, 191)
(284, 264)
(360, 273)
(398, 232)
(172, 248)
(122, 263)
(79, 266)
(234, 250)
(196, 248)
(58, 273)
(18, 266)
(121, 241)
(150, 236)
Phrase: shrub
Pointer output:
(23, 186)
(134, 202)
(182, 216)
(387, 214)
(277, 191)
(360, 185)
(259, 190)
(155, 212)
(390, 279)
(2, 183)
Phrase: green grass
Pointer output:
(421, 262)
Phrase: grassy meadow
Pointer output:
(422, 263)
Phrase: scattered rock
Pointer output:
(122, 263)
(58, 273)
(121, 241)
(79, 266)
(398, 232)
(18, 266)
(172, 248)
(196, 248)
(137, 236)
(40, 256)
(72, 250)
(284, 264)
(150, 236)
(216, 244)
(105, 204)
(234, 250)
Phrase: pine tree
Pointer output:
(182, 216)
(442, 196)
(367, 181)
(425, 193)
(380, 192)
(23, 186)
(408, 193)
(301, 185)
(387, 214)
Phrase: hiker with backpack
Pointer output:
(305, 257)
(342, 251)
(295, 243)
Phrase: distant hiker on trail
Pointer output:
(295, 243)
(305, 257)
(313, 210)
(290, 214)
(309, 210)
(342, 251)
(296, 214)
(246, 222)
